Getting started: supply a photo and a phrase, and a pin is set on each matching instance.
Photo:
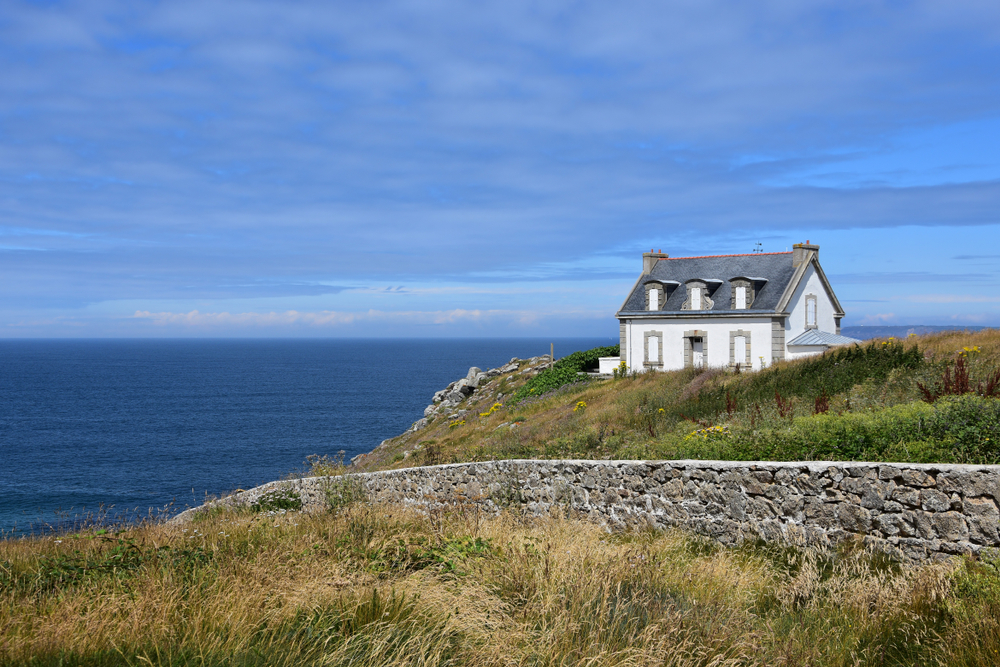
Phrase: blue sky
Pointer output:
(484, 169)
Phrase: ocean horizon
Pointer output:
(118, 429)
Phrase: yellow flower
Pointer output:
(581, 405)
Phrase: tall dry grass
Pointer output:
(388, 586)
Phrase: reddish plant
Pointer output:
(992, 388)
(784, 405)
(960, 383)
(822, 404)
(730, 404)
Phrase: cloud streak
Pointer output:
(334, 319)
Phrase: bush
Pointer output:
(343, 491)
(565, 371)
(279, 499)
(961, 429)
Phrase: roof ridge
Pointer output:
(744, 254)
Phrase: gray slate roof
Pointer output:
(776, 268)
(817, 337)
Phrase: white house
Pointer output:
(724, 310)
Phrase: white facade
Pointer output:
(660, 344)
(686, 312)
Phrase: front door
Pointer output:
(698, 352)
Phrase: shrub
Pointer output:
(565, 371)
(343, 491)
(279, 499)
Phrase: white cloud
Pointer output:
(952, 298)
(329, 318)
(878, 318)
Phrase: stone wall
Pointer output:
(916, 511)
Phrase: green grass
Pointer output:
(564, 371)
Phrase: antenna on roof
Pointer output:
(757, 247)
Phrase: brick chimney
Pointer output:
(800, 252)
(649, 260)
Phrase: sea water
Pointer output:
(120, 428)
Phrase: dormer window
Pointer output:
(743, 293)
(658, 292)
(655, 295)
(697, 295)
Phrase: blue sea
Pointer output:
(116, 429)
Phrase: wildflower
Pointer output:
(661, 411)
(580, 405)
(493, 408)
(710, 433)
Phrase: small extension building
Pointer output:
(728, 310)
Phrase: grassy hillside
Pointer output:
(922, 399)
(365, 586)
(389, 587)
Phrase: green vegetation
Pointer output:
(963, 429)
(834, 373)
(924, 399)
(119, 559)
(343, 491)
(564, 371)
(276, 500)
(391, 587)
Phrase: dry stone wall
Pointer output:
(916, 511)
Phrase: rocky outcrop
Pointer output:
(478, 391)
(448, 401)
(915, 511)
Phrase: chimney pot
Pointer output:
(800, 251)
(649, 260)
